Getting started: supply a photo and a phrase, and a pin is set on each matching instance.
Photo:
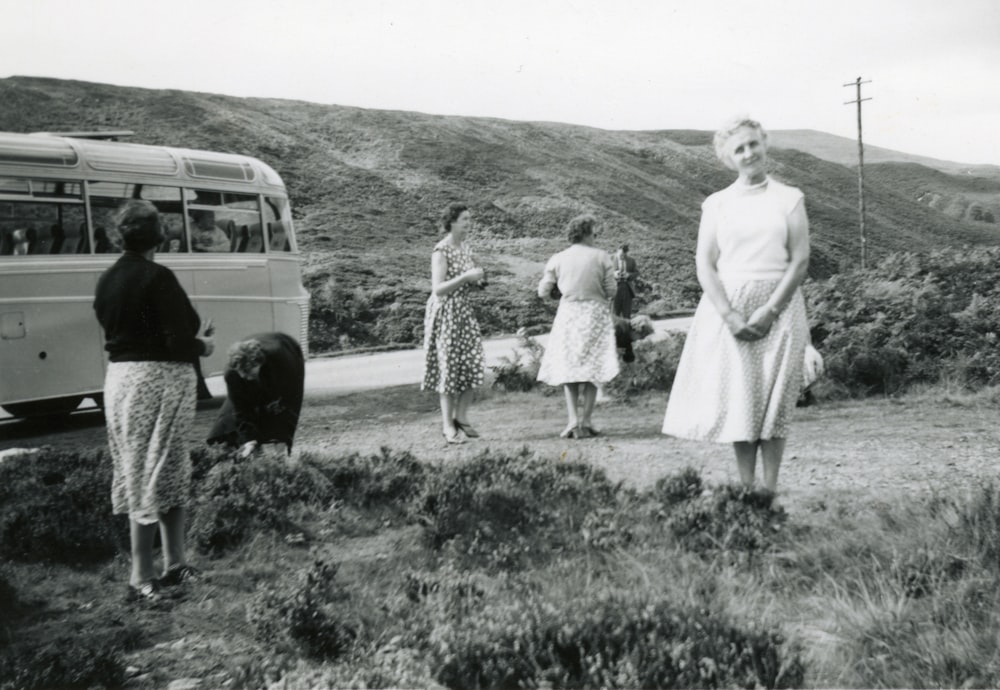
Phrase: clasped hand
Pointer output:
(754, 328)
(474, 275)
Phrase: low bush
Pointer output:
(505, 511)
(386, 479)
(305, 615)
(913, 318)
(240, 497)
(616, 641)
(653, 369)
(519, 371)
(730, 518)
(57, 508)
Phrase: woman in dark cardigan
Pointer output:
(265, 378)
(153, 337)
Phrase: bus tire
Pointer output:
(44, 408)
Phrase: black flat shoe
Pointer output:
(179, 575)
(466, 429)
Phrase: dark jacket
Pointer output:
(145, 313)
(265, 410)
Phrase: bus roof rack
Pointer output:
(110, 135)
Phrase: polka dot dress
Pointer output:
(730, 390)
(452, 340)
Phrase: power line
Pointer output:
(861, 170)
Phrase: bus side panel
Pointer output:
(60, 353)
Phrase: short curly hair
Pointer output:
(244, 355)
(580, 227)
(730, 128)
(138, 223)
(451, 214)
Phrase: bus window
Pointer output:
(107, 197)
(224, 222)
(276, 216)
(46, 221)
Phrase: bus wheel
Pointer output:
(43, 408)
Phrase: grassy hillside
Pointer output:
(367, 187)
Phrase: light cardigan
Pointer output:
(582, 273)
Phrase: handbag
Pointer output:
(812, 366)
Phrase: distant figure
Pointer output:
(206, 236)
(154, 337)
(580, 353)
(22, 244)
(626, 272)
(741, 370)
(454, 363)
(265, 379)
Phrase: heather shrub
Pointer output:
(505, 511)
(386, 479)
(677, 488)
(240, 497)
(519, 371)
(653, 369)
(307, 614)
(56, 507)
(729, 518)
(614, 641)
(913, 318)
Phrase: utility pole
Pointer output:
(861, 170)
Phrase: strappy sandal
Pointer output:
(179, 575)
(592, 431)
(147, 592)
(453, 438)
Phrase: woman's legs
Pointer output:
(746, 460)
(462, 406)
(771, 452)
(572, 393)
(448, 406)
(172, 536)
(589, 398)
(141, 537)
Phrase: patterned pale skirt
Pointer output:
(149, 408)
(581, 346)
(729, 390)
(453, 344)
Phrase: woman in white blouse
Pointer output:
(580, 352)
(741, 370)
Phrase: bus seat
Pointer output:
(83, 244)
(279, 239)
(256, 242)
(58, 237)
(102, 245)
(6, 244)
(238, 241)
(36, 244)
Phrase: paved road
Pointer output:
(350, 373)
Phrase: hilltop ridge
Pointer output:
(367, 187)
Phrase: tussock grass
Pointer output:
(512, 568)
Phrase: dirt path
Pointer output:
(880, 447)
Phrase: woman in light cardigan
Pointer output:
(580, 352)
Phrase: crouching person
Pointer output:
(265, 377)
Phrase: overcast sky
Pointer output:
(934, 65)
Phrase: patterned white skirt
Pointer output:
(149, 408)
(581, 346)
(729, 390)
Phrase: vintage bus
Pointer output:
(228, 237)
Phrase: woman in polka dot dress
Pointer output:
(741, 370)
(453, 364)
